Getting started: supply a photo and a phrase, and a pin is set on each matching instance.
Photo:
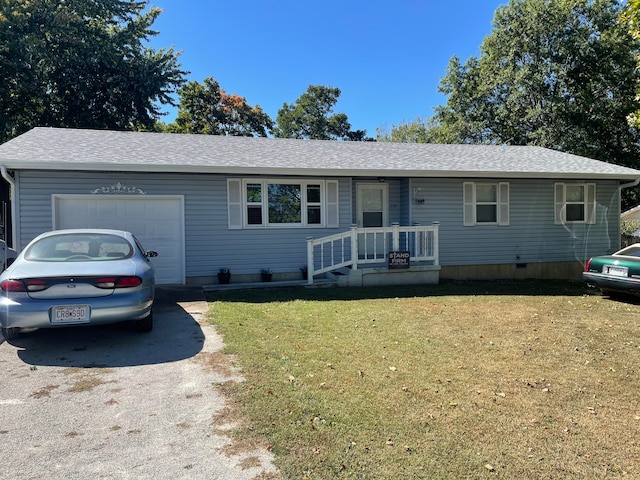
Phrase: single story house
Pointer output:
(407, 212)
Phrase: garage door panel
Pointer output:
(157, 222)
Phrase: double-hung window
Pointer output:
(575, 203)
(486, 203)
(256, 203)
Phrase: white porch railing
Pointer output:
(360, 246)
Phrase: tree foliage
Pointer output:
(312, 117)
(83, 64)
(556, 73)
(208, 109)
(415, 131)
(631, 17)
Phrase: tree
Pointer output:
(405, 132)
(82, 64)
(556, 73)
(312, 117)
(210, 110)
(631, 16)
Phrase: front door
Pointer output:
(372, 204)
(372, 211)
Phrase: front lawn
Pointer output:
(462, 380)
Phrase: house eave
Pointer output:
(311, 172)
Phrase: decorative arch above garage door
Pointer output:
(157, 221)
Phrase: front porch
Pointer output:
(361, 257)
(396, 255)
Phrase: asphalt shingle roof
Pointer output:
(75, 149)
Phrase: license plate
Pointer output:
(71, 314)
(617, 271)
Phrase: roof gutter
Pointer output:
(630, 184)
(12, 200)
(275, 171)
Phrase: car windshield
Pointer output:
(79, 248)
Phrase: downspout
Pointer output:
(630, 184)
(12, 199)
(635, 183)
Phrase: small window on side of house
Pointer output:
(575, 203)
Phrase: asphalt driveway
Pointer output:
(109, 403)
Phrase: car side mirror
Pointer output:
(151, 254)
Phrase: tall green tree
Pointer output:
(208, 109)
(555, 73)
(82, 63)
(312, 117)
(630, 17)
(405, 132)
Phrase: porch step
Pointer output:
(335, 274)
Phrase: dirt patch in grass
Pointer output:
(471, 380)
(232, 418)
(218, 362)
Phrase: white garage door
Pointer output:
(156, 221)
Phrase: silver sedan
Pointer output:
(78, 277)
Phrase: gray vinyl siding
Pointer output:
(209, 244)
(405, 202)
(395, 202)
(531, 237)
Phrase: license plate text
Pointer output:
(70, 314)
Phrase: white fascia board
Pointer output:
(314, 172)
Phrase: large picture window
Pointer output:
(285, 203)
(575, 203)
(278, 203)
(486, 203)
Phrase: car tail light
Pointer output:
(118, 282)
(108, 282)
(13, 286)
(124, 282)
(35, 285)
(586, 267)
(28, 285)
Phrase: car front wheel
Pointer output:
(145, 324)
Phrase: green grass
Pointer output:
(460, 380)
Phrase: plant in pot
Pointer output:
(266, 275)
(224, 276)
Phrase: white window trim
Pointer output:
(560, 203)
(237, 203)
(470, 203)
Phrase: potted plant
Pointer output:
(266, 274)
(224, 276)
(304, 271)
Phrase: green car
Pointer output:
(617, 273)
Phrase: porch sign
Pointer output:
(398, 259)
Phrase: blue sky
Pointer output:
(386, 56)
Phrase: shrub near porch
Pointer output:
(470, 380)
